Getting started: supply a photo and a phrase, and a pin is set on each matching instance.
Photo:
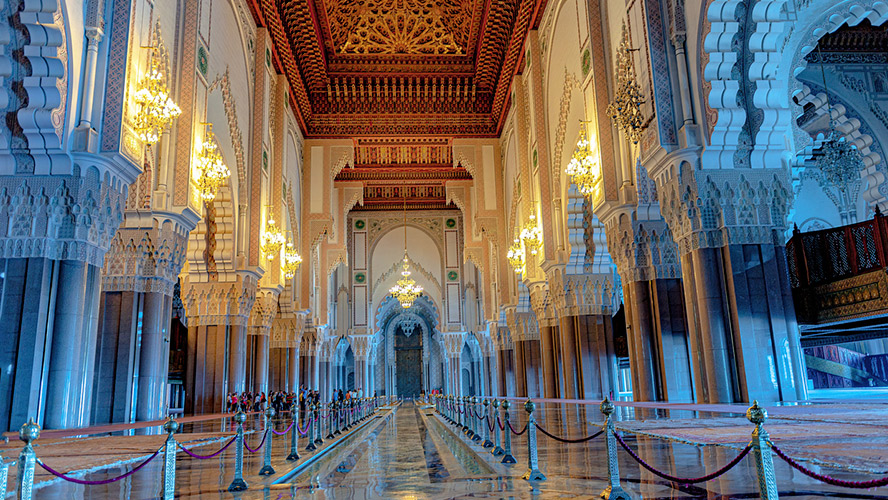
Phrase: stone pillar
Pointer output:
(643, 349)
(547, 352)
(260, 364)
(67, 371)
(293, 369)
(153, 354)
(237, 359)
(520, 369)
(570, 362)
(596, 350)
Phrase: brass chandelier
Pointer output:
(406, 291)
(532, 235)
(625, 110)
(291, 261)
(516, 256)
(156, 109)
(583, 168)
(272, 238)
(839, 161)
(213, 171)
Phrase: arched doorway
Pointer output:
(408, 362)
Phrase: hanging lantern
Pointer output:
(583, 168)
(291, 261)
(405, 291)
(213, 171)
(516, 257)
(532, 236)
(156, 110)
(272, 239)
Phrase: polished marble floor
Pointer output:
(408, 452)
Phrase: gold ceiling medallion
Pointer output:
(156, 110)
(401, 27)
(625, 110)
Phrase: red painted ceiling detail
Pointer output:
(362, 68)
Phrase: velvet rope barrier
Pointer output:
(304, 430)
(565, 440)
(204, 457)
(516, 432)
(875, 483)
(684, 480)
(276, 433)
(499, 422)
(104, 481)
(261, 443)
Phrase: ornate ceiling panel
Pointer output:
(365, 68)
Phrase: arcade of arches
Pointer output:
(148, 248)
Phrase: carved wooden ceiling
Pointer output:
(390, 68)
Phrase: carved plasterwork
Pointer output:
(543, 304)
(264, 310)
(580, 294)
(219, 303)
(59, 217)
(396, 269)
(145, 260)
(237, 143)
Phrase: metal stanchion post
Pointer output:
(764, 464)
(319, 420)
(294, 436)
(613, 490)
(533, 468)
(508, 458)
(476, 421)
(330, 421)
(311, 426)
(470, 418)
(267, 469)
(238, 484)
(497, 450)
(485, 425)
(169, 459)
(336, 415)
(460, 416)
(27, 460)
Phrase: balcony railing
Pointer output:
(829, 255)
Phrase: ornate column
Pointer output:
(361, 348)
(543, 308)
(453, 343)
(215, 309)
(735, 277)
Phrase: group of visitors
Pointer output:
(288, 401)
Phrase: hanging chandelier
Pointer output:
(532, 235)
(405, 291)
(213, 172)
(583, 168)
(291, 261)
(156, 110)
(272, 239)
(839, 161)
(516, 256)
(625, 110)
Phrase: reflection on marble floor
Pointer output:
(409, 452)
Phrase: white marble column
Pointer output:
(151, 402)
(293, 369)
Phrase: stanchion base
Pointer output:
(266, 470)
(476, 437)
(470, 434)
(330, 436)
(292, 457)
(238, 485)
(311, 447)
(509, 459)
(488, 444)
(319, 441)
(533, 475)
(336, 432)
(618, 493)
(498, 451)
